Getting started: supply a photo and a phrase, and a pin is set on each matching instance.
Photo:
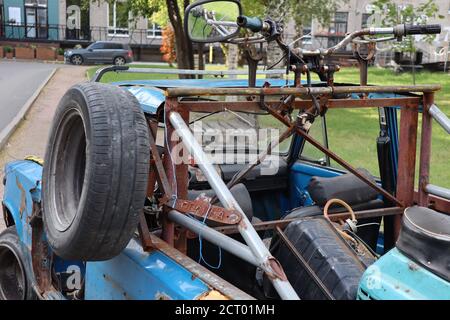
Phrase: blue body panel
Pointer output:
(150, 93)
(23, 185)
(396, 277)
(141, 275)
(136, 274)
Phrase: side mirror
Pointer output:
(212, 20)
(90, 50)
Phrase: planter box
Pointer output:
(2, 54)
(9, 55)
(24, 53)
(60, 57)
(43, 53)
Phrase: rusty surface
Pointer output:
(193, 92)
(406, 161)
(269, 225)
(435, 203)
(254, 106)
(197, 270)
(425, 149)
(168, 227)
(144, 233)
(201, 208)
(41, 254)
(23, 198)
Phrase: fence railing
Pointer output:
(57, 33)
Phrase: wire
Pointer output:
(200, 243)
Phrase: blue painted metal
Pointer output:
(150, 93)
(396, 277)
(299, 177)
(23, 185)
(135, 274)
(141, 275)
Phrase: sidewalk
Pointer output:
(30, 137)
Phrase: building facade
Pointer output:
(66, 23)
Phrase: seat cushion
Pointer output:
(425, 238)
(346, 187)
(239, 192)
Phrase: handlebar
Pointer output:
(422, 29)
(255, 24)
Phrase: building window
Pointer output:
(337, 29)
(153, 31)
(118, 19)
(339, 25)
(36, 19)
(365, 19)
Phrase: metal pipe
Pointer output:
(189, 92)
(438, 191)
(251, 237)
(440, 117)
(219, 239)
(198, 72)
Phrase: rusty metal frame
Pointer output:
(173, 177)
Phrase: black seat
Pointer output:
(425, 238)
(350, 189)
(239, 192)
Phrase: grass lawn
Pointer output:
(352, 133)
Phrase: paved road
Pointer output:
(30, 137)
(18, 82)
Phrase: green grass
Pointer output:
(352, 133)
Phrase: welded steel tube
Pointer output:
(251, 237)
(219, 239)
(440, 117)
(438, 191)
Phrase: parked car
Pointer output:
(100, 52)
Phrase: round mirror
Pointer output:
(212, 21)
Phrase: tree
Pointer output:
(164, 12)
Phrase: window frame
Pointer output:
(112, 29)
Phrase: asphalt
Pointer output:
(18, 82)
(30, 136)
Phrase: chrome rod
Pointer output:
(440, 117)
(438, 191)
(251, 237)
(219, 239)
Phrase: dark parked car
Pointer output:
(100, 52)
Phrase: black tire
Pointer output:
(119, 61)
(76, 59)
(95, 172)
(15, 277)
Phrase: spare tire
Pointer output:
(95, 172)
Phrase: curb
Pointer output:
(10, 128)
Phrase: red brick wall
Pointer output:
(24, 53)
(45, 53)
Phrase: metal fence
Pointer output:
(58, 33)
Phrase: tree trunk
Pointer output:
(201, 58)
(183, 46)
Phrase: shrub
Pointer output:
(60, 51)
(8, 49)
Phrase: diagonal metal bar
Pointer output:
(334, 156)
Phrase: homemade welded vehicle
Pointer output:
(127, 205)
